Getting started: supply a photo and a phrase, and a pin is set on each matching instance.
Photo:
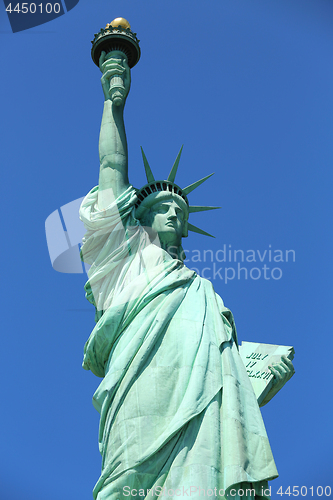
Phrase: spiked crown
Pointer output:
(157, 190)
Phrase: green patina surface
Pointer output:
(177, 407)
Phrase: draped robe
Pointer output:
(177, 408)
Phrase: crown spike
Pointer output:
(193, 186)
(149, 173)
(200, 209)
(174, 169)
(196, 229)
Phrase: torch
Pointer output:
(114, 38)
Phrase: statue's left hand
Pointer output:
(282, 371)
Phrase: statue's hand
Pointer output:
(116, 79)
(282, 371)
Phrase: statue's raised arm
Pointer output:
(116, 81)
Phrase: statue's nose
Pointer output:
(172, 214)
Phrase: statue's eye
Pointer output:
(162, 209)
(180, 214)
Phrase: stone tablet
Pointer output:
(256, 358)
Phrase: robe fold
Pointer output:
(177, 407)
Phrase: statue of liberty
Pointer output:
(178, 414)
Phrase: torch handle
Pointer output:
(117, 88)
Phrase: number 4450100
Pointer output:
(32, 8)
(304, 491)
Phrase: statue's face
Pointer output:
(167, 221)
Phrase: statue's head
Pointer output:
(164, 207)
(166, 216)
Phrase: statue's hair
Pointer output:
(158, 197)
(146, 217)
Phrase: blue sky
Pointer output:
(246, 86)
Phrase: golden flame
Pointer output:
(119, 21)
